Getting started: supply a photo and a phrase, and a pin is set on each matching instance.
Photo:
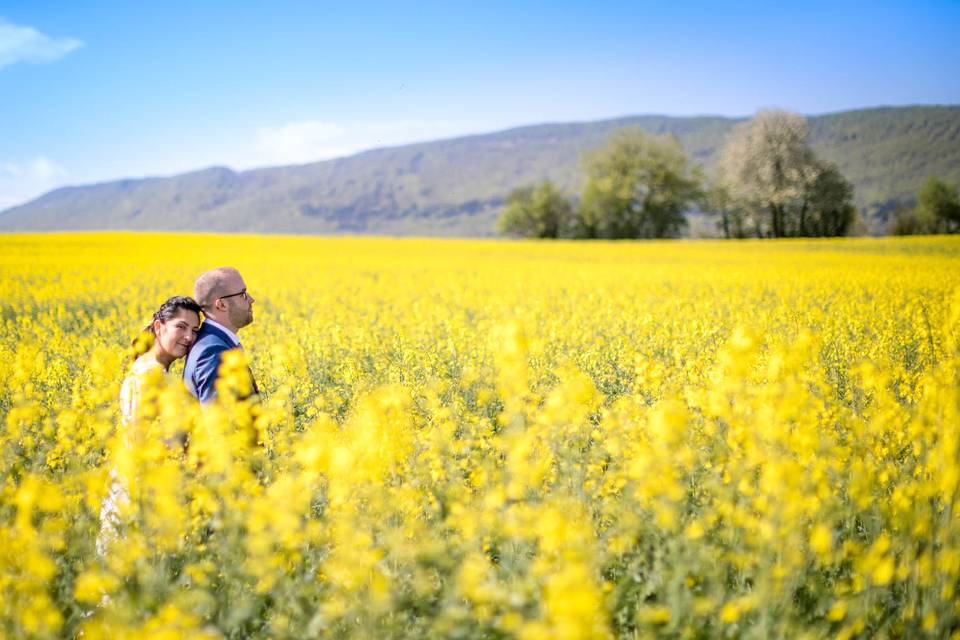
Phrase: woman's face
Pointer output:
(176, 335)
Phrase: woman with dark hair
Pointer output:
(167, 337)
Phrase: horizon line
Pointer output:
(547, 123)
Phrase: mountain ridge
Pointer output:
(456, 186)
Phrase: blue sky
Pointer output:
(99, 91)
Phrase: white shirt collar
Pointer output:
(230, 334)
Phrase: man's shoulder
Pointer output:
(209, 341)
(211, 335)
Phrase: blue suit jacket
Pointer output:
(203, 362)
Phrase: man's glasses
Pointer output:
(242, 292)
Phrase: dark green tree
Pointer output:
(733, 219)
(904, 222)
(638, 186)
(827, 208)
(539, 211)
(938, 206)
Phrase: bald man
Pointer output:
(227, 308)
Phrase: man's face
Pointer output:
(239, 307)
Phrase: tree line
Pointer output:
(769, 184)
(937, 210)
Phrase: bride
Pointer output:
(167, 337)
(174, 328)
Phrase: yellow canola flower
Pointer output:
(730, 612)
(837, 611)
(478, 438)
(883, 571)
(92, 586)
(656, 615)
(821, 540)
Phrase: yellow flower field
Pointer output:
(487, 439)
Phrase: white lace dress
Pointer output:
(132, 385)
(130, 394)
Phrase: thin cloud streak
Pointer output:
(26, 44)
(23, 181)
(314, 140)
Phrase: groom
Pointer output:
(227, 308)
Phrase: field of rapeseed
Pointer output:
(491, 440)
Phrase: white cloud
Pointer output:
(312, 140)
(24, 181)
(26, 44)
(296, 142)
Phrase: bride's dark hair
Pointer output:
(144, 340)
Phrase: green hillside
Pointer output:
(456, 187)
